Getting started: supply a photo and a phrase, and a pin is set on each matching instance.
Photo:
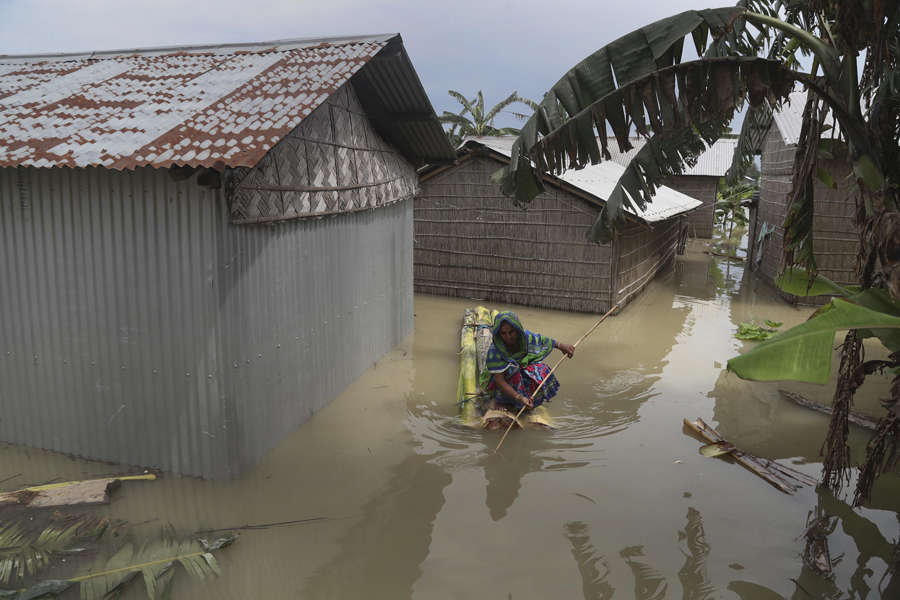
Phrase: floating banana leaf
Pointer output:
(803, 353)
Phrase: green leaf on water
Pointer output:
(796, 281)
(803, 353)
(773, 324)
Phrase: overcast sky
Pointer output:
(496, 46)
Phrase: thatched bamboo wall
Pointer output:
(835, 241)
(703, 188)
(641, 252)
(470, 241)
(333, 162)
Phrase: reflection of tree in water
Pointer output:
(379, 557)
(651, 584)
(593, 583)
(693, 576)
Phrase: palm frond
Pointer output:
(467, 104)
(25, 550)
(154, 561)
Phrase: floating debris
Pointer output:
(786, 479)
(68, 493)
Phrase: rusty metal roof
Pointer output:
(209, 106)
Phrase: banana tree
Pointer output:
(479, 122)
(748, 54)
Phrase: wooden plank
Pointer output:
(784, 478)
(91, 491)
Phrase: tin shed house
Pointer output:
(835, 240)
(190, 238)
(700, 181)
(471, 241)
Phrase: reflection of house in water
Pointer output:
(380, 556)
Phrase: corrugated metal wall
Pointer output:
(137, 325)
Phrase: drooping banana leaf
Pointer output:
(639, 80)
(803, 353)
(756, 125)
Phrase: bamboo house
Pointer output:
(700, 181)
(470, 241)
(191, 235)
(835, 241)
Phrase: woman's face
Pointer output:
(509, 335)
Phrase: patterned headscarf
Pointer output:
(533, 347)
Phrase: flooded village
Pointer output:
(272, 327)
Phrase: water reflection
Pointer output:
(693, 575)
(380, 556)
(594, 582)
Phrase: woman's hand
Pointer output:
(567, 349)
(526, 401)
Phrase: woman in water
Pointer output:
(513, 366)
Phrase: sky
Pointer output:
(497, 46)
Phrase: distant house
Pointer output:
(202, 246)
(700, 181)
(470, 240)
(835, 241)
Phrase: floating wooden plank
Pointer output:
(67, 493)
(786, 479)
(854, 417)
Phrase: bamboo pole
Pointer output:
(565, 356)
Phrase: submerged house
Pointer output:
(835, 241)
(202, 246)
(470, 240)
(700, 181)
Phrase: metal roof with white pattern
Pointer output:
(206, 106)
(600, 179)
(714, 162)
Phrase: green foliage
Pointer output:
(25, 550)
(755, 332)
(803, 353)
(474, 121)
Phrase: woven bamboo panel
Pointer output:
(335, 148)
(643, 252)
(470, 241)
(835, 238)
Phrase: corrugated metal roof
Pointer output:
(789, 118)
(714, 162)
(195, 106)
(600, 179)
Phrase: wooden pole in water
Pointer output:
(575, 345)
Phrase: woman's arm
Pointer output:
(567, 349)
(508, 390)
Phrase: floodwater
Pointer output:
(616, 502)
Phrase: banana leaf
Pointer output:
(640, 80)
(797, 281)
(803, 353)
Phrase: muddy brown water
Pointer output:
(615, 503)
